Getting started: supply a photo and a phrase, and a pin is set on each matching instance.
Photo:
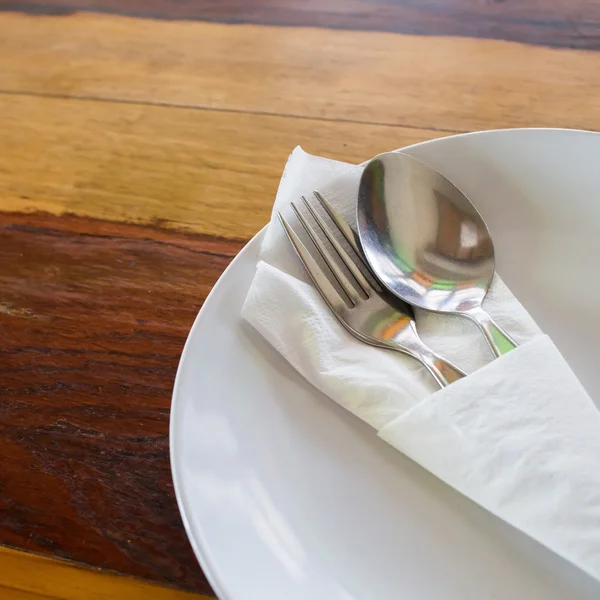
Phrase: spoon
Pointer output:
(426, 242)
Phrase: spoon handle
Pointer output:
(500, 342)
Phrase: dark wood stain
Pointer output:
(565, 23)
(93, 317)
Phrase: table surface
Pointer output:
(142, 143)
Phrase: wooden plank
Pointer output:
(424, 82)
(205, 171)
(58, 580)
(13, 594)
(93, 317)
(574, 23)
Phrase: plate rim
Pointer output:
(197, 540)
(201, 547)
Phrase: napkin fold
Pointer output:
(519, 435)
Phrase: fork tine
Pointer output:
(344, 282)
(349, 234)
(346, 259)
(329, 293)
(341, 223)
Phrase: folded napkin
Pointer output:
(519, 435)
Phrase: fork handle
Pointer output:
(443, 372)
(409, 342)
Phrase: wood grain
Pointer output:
(13, 594)
(64, 581)
(448, 84)
(138, 156)
(198, 170)
(574, 23)
(94, 316)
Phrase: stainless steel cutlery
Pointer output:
(426, 242)
(364, 307)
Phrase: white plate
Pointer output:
(284, 496)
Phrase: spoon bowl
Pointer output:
(426, 242)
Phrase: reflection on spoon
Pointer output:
(426, 242)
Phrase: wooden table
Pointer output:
(142, 144)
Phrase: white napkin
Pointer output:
(519, 435)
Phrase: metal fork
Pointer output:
(369, 312)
